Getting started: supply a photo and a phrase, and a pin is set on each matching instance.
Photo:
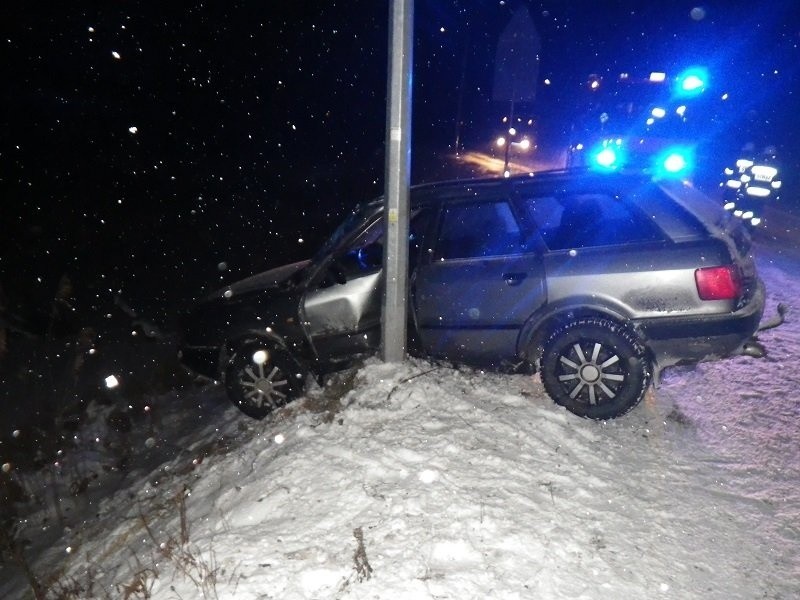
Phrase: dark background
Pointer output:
(259, 124)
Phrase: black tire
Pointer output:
(261, 377)
(595, 368)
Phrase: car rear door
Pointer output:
(479, 283)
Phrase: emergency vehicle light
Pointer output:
(691, 82)
(674, 162)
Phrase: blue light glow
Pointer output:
(692, 82)
(608, 155)
(674, 162)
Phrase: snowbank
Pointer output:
(424, 481)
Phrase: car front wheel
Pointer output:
(261, 377)
(595, 368)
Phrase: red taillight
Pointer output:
(718, 283)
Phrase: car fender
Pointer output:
(539, 325)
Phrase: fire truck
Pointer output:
(662, 124)
(677, 127)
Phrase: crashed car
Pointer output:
(596, 281)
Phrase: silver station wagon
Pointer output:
(597, 281)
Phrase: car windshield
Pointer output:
(346, 229)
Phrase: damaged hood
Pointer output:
(275, 278)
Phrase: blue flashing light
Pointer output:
(674, 162)
(692, 82)
(607, 156)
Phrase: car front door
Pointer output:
(341, 310)
(481, 281)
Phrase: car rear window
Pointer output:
(676, 220)
(586, 219)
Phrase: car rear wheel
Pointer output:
(595, 368)
(261, 377)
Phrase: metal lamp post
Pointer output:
(397, 178)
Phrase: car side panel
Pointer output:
(646, 281)
(472, 309)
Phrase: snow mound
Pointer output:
(431, 482)
(422, 481)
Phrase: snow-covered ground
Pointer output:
(418, 481)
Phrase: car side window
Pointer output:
(582, 220)
(365, 252)
(545, 212)
(479, 230)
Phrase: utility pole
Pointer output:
(397, 178)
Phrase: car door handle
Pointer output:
(514, 278)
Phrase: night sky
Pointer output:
(156, 150)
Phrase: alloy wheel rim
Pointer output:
(262, 386)
(597, 373)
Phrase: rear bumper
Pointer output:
(684, 340)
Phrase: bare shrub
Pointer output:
(203, 572)
(360, 562)
(140, 586)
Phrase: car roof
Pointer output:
(488, 186)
